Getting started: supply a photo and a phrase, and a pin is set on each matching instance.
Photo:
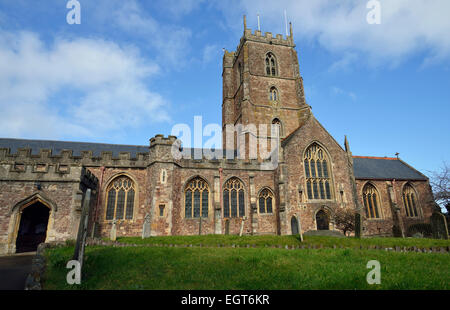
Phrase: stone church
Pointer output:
(146, 191)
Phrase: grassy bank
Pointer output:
(248, 269)
(261, 241)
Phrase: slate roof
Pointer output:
(364, 167)
(384, 168)
(76, 147)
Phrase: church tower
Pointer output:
(262, 85)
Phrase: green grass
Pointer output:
(261, 241)
(247, 269)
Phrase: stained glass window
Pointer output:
(409, 200)
(196, 198)
(265, 201)
(318, 180)
(233, 198)
(371, 201)
(120, 199)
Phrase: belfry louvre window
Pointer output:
(409, 200)
(233, 198)
(265, 201)
(318, 179)
(371, 201)
(271, 65)
(120, 199)
(196, 198)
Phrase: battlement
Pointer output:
(257, 36)
(161, 140)
(62, 161)
(268, 38)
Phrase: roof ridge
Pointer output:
(80, 142)
(376, 157)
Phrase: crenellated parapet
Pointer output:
(161, 140)
(267, 38)
(161, 148)
(62, 162)
(257, 36)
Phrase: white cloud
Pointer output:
(339, 91)
(407, 26)
(344, 62)
(210, 52)
(177, 8)
(171, 42)
(105, 86)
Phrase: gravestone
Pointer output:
(227, 227)
(146, 226)
(82, 229)
(241, 230)
(300, 229)
(439, 226)
(113, 232)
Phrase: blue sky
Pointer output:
(133, 69)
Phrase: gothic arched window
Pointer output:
(277, 122)
(273, 94)
(271, 65)
(371, 201)
(233, 198)
(409, 200)
(196, 198)
(317, 172)
(265, 201)
(120, 199)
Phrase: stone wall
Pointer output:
(124, 227)
(384, 224)
(27, 179)
(298, 203)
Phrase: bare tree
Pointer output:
(440, 183)
(344, 219)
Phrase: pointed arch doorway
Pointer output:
(32, 227)
(322, 220)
